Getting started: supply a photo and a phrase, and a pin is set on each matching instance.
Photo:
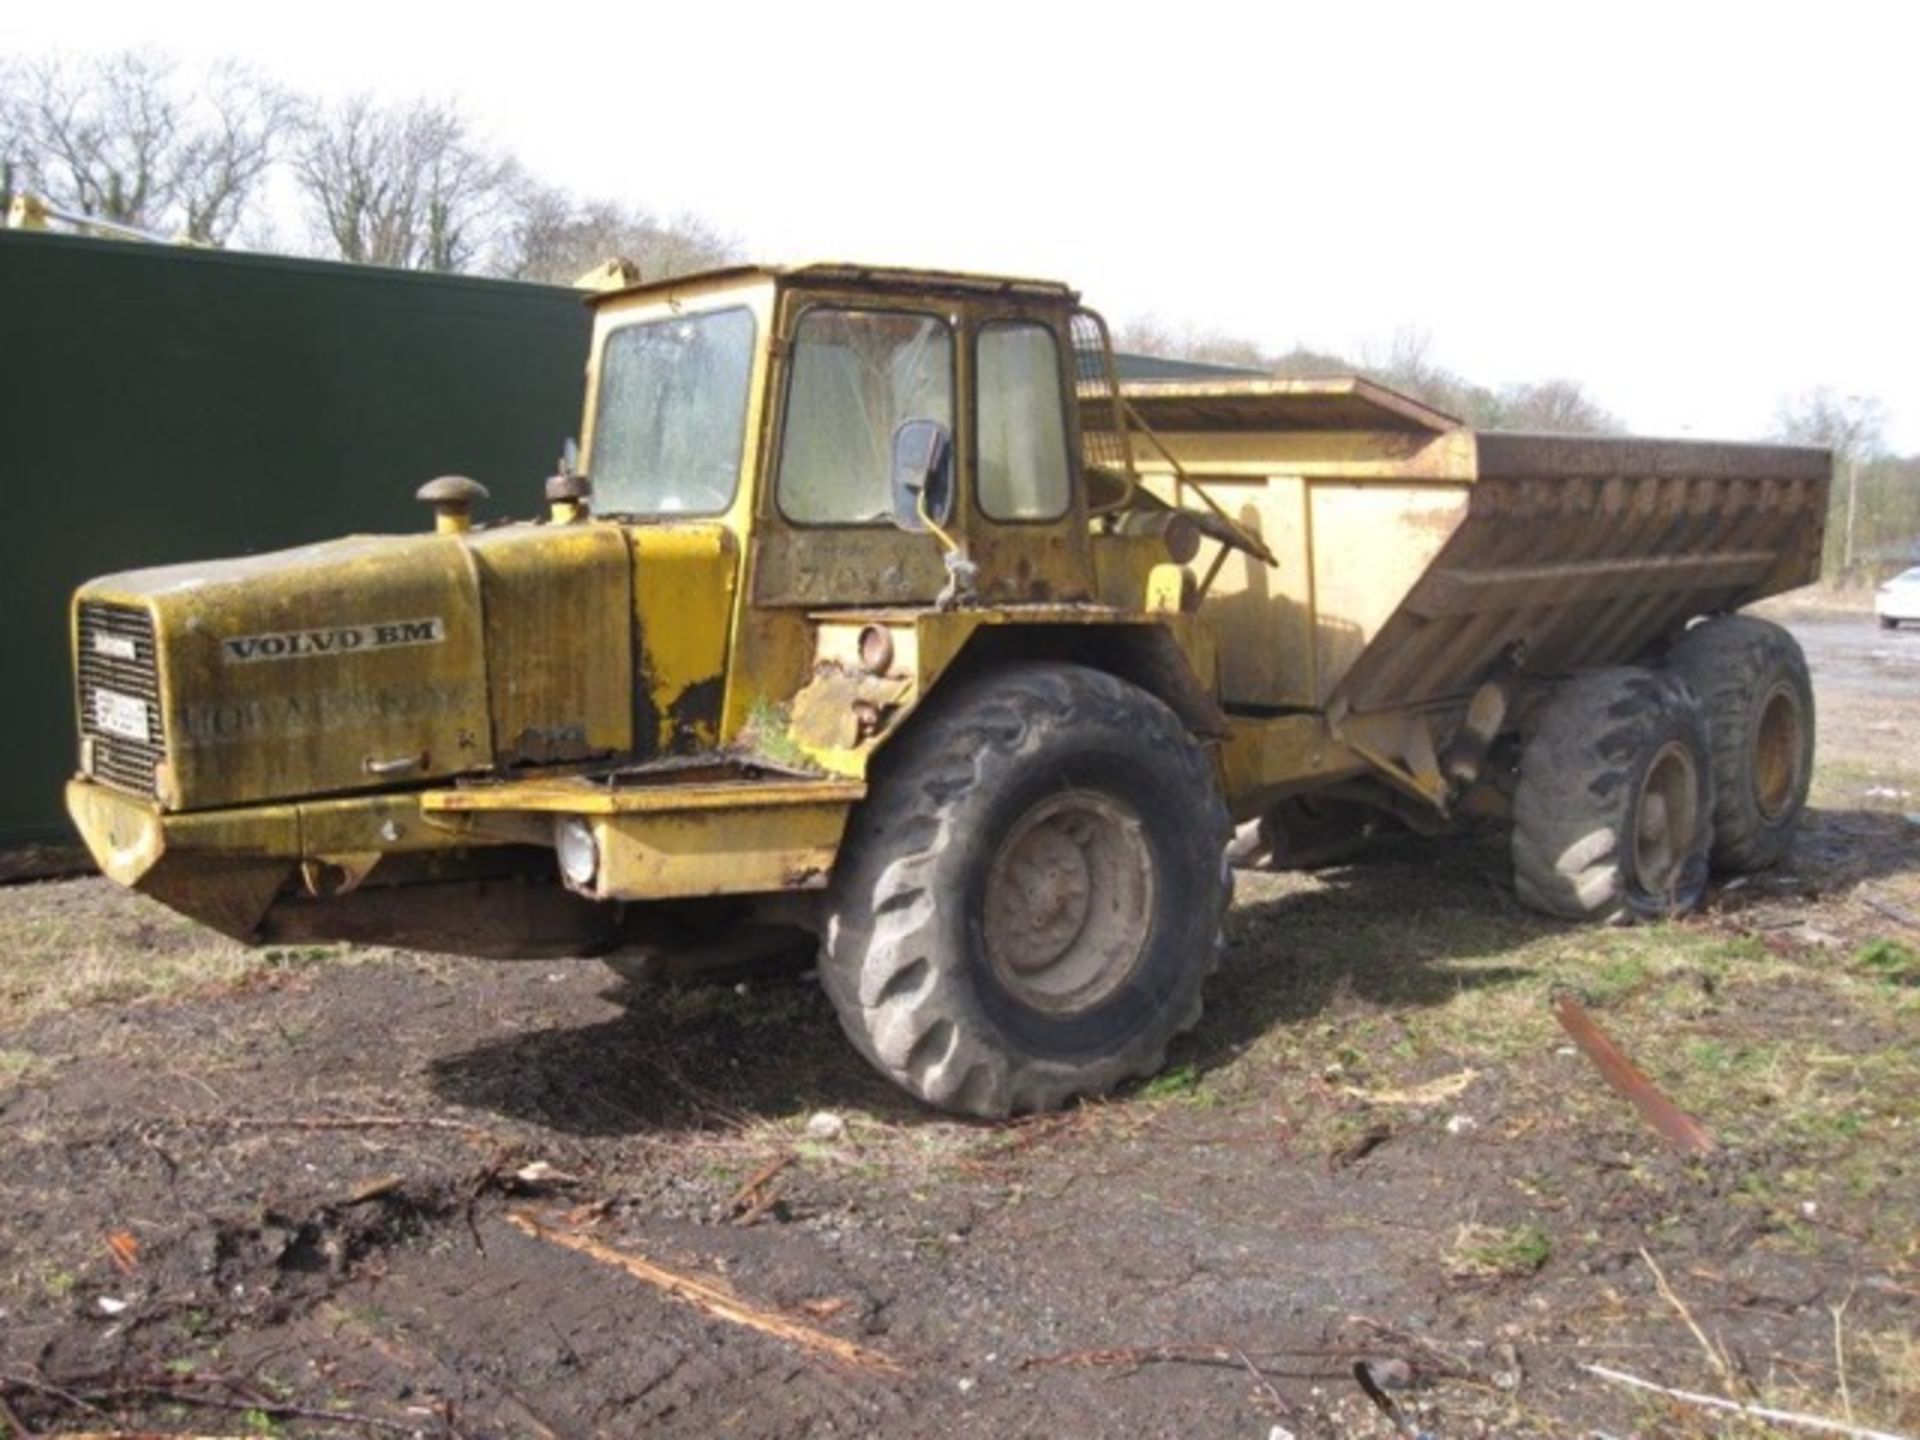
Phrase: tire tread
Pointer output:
(912, 1018)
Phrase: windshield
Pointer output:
(672, 415)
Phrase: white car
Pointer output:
(1898, 599)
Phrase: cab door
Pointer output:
(996, 377)
(854, 370)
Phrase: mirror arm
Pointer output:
(933, 526)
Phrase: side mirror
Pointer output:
(922, 474)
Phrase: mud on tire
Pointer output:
(1031, 897)
(1751, 677)
(1613, 815)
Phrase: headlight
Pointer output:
(579, 856)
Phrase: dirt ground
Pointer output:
(364, 1192)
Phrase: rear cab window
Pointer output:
(1022, 461)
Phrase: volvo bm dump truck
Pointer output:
(875, 607)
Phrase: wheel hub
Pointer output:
(1777, 750)
(1069, 901)
(1666, 819)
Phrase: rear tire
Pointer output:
(1752, 679)
(1887, 622)
(1031, 896)
(1613, 814)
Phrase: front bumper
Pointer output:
(224, 867)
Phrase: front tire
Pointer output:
(1751, 677)
(1031, 897)
(1613, 814)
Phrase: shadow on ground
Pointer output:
(1837, 848)
(1380, 934)
(1415, 926)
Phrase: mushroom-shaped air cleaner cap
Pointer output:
(452, 498)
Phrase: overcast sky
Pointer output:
(1695, 209)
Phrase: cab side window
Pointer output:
(1021, 444)
(856, 374)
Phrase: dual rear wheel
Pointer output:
(1635, 783)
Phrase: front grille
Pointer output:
(107, 634)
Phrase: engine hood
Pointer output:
(358, 664)
(334, 667)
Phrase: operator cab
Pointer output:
(882, 435)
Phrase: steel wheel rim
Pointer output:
(1777, 751)
(1069, 902)
(1666, 818)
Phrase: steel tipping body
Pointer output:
(1415, 554)
(1420, 561)
(1578, 553)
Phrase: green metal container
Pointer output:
(161, 404)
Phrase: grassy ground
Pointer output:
(70, 946)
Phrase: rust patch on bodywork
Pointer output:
(839, 708)
(695, 714)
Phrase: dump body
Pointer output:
(1415, 552)
(1417, 558)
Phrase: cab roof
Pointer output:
(866, 277)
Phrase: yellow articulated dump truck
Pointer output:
(876, 609)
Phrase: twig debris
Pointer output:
(1756, 1412)
(1898, 913)
(1680, 1128)
(708, 1299)
(759, 1194)
(1715, 1355)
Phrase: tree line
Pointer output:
(138, 140)
(1873, 520)
(1408, 365)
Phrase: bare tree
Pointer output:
(1304, 362)
(555, 238)
(1411, 366)
(224, 158)
(1851, 427)
(128, 139)
(1150, 335)
(408, 186)
(16, 154)
(1560, 405)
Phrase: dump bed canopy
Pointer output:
(1340, 402)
